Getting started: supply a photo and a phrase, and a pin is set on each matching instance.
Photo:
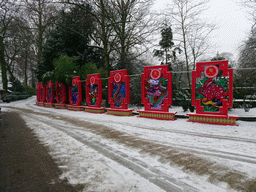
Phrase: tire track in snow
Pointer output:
(196, 134)
(204, 151)
(148, 172)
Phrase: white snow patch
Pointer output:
(82, 164)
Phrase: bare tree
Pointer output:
(198, 41)
(133, 25)
(13, 47)
(24, 28)
(25, 60)
(103, 31)
(122, 28)
(247, 59)
(42, 15)
(230, 57)
(8, 10)
(188, 30)
(250, 6)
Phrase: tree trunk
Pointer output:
(186, 54)
(166, 59)
(194, 58)
(9, 71)
(104, 38)
(122, 40)
(3, 64)
(34, 81)
(105, 41)
(40, 32)
(25, 68)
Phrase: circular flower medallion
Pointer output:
(117, 77)
(92, 80)
(155, 74)
(211, 71)
(73, 82)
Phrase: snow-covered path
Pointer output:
(75, 136)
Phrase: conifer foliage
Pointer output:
(167, 51)
(71, 38)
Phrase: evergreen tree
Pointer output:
(16, 85)
(166, 53)
(64, 68)
(217, 58)
(72, 38)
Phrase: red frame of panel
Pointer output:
(39, 87)
(61, 94)
(75, 81)
(122, 77)
(94, 79)
(223, 66)
(50, 85)
(146, 76)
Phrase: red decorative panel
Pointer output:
(93, 90)
(44, 94)
(119, 89)
(75, 92)
(212, 88)
(50, 92)
(61, 94)
(39, 92)
(156, 88)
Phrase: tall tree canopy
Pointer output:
(133, 25)
(167, 51)
(72, 37)
(8, 10)
(123, 30)
(190, 30)
(247, 59)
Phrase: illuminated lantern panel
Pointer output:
(119, 93)
(156, 93)
(49, 94)
(212, 93)
(38, 92)
(75, 94)
(41, 94)
(44, 94)
(93, 86)
(61, 95)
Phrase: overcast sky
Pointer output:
(233, 21)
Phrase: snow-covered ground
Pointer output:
(77, 148)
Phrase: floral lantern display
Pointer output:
(75, 94)
(93, 86)
(212, 93)
(41, 94)
(49, 94)
(61, 95)
(119, 93)
(156, 93)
